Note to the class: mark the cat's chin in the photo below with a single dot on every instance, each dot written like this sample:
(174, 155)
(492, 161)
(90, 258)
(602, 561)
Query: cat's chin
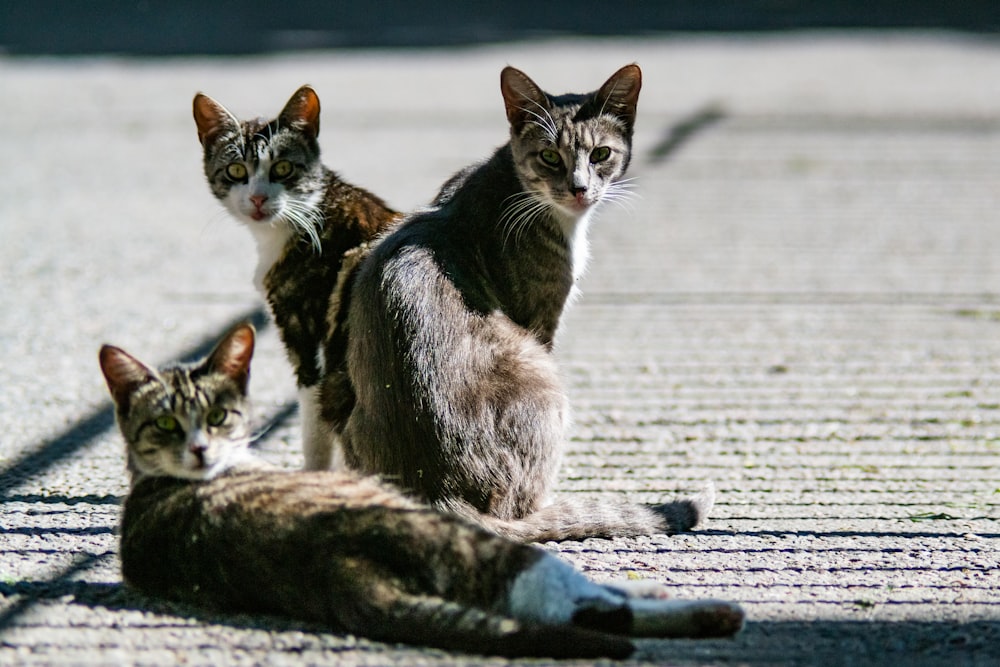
(573, 211)
(256, 218)
(200, 473)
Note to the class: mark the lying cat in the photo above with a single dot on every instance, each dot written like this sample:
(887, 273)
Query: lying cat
(207, 523)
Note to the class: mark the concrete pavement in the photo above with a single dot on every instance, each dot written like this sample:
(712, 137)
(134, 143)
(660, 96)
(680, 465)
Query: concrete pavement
(803, 305)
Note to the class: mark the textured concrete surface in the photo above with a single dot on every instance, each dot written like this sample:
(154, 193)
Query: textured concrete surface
(803, 305)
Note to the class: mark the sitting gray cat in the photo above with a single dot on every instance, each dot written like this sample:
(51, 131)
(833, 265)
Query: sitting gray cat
(453, 315)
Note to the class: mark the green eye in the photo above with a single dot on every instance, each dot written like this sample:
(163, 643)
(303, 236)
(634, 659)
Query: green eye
(600, 154)
(236, 171)
(167, 423)
(550, 157)
(281, 169)
(215, 417)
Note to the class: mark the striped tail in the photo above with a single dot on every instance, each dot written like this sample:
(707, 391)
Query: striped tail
(580, 518)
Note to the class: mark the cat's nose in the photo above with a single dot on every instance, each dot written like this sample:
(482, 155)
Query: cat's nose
(258, 200)
(198, 449)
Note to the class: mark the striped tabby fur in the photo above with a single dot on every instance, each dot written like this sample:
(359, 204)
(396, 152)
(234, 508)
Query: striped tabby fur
(458, 397)
(307, 223)
(212, 526)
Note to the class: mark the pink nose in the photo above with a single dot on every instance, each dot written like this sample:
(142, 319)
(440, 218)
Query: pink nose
(258, 200)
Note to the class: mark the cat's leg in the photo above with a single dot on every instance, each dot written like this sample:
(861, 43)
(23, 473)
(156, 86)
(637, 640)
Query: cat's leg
(320, 445)
(683, 618)
(553, 592)
(383, 611)
(550, 591)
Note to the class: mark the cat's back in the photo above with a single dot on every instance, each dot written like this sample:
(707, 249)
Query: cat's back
(443, 246)
(184, 527)
(352, 208)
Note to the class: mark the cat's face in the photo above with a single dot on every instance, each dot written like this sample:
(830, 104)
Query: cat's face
(571, 151)
(265, 172)
(184, 421)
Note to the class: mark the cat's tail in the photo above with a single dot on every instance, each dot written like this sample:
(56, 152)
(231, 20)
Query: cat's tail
(435, 622)
(580, 518)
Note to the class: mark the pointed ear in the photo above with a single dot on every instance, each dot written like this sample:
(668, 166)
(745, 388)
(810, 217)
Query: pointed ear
(123, 373)
(211, 118)
(523, 98)
(302, 111)
(232, 355)
(620, 94)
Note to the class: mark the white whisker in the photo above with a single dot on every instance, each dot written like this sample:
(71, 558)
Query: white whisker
(305, 219)
(520, 214)
(621, 194)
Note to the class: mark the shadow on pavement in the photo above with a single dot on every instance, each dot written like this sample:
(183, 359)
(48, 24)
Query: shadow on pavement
(855, 642)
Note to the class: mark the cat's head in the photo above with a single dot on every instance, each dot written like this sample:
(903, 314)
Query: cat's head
(190, 421)
(570, 151)
(265, 172)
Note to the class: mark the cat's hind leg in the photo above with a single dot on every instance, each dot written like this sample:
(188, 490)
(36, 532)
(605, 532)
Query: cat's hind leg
(434, 621)
(684, 618)
(552, 592)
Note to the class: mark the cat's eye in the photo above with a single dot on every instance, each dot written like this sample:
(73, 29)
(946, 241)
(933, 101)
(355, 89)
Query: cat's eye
(550, 157)
(215, 417)
(281, 169)
(236, 171)
(167, 423)
(600, 154)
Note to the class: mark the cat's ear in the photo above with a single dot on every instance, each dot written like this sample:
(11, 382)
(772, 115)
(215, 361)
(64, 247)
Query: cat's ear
(524, 100)
(232, 355)
(620, 94)
(123, 373)
(302, 111)
(211, 118)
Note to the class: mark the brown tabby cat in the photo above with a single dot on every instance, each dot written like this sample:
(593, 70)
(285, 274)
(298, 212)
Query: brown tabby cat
(458, 397)
(206, 523)
(307, 223)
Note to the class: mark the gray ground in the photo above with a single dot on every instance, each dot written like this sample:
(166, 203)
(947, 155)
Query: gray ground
(803, 306)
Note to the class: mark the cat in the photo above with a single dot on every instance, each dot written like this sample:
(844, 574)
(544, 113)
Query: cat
(458, 397)
(205, 523)
(309, 225)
